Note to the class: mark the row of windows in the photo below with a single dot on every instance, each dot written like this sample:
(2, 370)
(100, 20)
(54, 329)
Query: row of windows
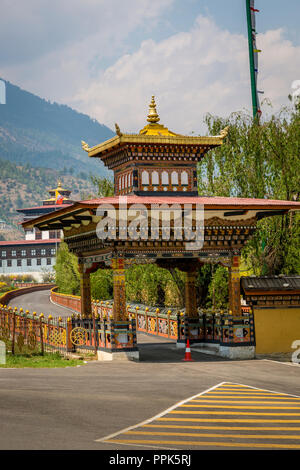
(32, 252)
(166, 177)
(38, 234)
(155, 178)
(28, 262)
(125, 181)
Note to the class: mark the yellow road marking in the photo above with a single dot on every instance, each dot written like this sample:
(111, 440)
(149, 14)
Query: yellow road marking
(246, 389)
(269, 397)
(233, 413)
(229, 420)
(224, 389)
(244, 406)
(242, 387)
(217, 391)
(241, 390)
(222, 432)
(243, 401)
(229, 384)
(194, 434)
(250, 391)
(199, 443)
(224, 428)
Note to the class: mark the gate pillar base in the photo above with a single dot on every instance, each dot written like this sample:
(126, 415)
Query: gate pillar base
(117, 341)
(189, 328)
(118, 356)
(237, 352)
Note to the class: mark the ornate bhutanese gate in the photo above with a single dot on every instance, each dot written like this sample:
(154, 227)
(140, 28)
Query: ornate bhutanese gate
(156, 170)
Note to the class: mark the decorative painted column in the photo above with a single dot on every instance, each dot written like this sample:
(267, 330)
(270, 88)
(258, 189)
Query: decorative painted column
(85, 291)
(229, 288)
(119, 307)
(234, 286)
(120, 334)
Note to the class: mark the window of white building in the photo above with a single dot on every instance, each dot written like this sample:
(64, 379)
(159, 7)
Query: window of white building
(145, 177)
(165, 178)
(184, 177)
(174, 177)
(155, 177)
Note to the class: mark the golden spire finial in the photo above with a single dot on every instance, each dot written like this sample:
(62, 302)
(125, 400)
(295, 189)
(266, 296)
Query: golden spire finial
(224, 132)
(118, 132)
(59, 184)
(153, 117)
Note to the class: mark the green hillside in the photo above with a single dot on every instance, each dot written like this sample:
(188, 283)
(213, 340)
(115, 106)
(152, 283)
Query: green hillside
(44, 134)
(25, 186)
(40, 142)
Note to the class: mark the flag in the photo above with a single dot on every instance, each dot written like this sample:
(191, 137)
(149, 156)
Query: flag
(59, 198)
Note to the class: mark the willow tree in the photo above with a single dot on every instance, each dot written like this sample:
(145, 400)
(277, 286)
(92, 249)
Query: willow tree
(259, 160)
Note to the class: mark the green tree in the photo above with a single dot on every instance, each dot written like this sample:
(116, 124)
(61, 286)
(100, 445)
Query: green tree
(203, 282)
(102, 284)
(105, 186)
(67, 276)
(151, 285)
(218, 288)
(259, 161)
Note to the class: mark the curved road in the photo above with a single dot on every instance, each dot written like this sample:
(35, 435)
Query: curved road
(39, 302)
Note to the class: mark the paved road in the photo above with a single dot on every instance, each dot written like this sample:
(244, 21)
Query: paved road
(75, 408)
(227, 416)
(72, 408)
(38, 302)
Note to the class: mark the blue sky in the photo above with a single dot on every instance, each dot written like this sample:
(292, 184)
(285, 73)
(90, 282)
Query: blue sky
(107, 57)
(230, 14)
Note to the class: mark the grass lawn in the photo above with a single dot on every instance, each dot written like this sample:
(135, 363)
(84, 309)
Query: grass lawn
(37, 360)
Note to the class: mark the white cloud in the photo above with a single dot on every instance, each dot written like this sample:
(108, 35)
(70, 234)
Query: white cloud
(203, 70)
(54, 47)
(279, 65)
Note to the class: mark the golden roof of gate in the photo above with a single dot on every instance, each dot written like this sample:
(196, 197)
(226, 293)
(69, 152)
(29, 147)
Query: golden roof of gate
(153, 133)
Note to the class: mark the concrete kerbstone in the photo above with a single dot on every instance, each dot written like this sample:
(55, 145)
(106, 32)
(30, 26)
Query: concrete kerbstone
(118, 356)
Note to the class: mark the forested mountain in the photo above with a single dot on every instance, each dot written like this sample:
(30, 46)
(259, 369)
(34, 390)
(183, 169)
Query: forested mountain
(44, 134)
(39, 143)
(26, 186)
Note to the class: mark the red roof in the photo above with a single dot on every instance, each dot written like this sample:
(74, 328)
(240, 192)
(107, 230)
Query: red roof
(46, 206)
(209, 203)
(29, 242)
(217, 202)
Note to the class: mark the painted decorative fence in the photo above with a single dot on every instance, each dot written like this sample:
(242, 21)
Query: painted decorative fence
(24, 331)
(210, 327)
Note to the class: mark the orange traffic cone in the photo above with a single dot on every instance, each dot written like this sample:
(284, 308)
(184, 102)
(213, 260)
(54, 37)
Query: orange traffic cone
(188, 356)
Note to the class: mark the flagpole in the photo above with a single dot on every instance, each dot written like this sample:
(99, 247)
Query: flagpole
(251, 60)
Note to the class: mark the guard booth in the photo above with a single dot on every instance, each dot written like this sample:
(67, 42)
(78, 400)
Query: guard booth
(275, 301)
